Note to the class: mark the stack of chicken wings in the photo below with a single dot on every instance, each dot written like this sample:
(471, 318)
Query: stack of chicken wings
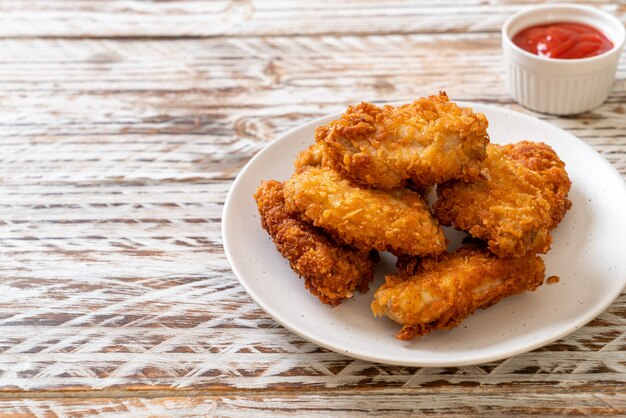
(361, 189)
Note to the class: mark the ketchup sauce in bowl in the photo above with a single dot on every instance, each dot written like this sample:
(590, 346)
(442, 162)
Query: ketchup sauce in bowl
(563, 40)
(561, 59)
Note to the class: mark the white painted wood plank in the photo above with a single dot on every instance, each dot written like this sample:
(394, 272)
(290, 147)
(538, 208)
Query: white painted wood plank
(203, 117)
(116, 157)
(337, 404)
(71, 18)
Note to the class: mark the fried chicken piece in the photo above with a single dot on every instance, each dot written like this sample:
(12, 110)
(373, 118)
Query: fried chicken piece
(313, 156)
(332, 272)
(520, 197)
(428, 141)
(394, 220)
(445, 290)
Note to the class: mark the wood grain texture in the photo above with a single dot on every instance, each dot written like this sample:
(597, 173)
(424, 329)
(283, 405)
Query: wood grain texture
(323, 404)
(240, 18)
(113, 407)
(217, 102)
(116, 156)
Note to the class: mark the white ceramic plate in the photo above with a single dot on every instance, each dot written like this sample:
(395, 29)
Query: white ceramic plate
(588, 254)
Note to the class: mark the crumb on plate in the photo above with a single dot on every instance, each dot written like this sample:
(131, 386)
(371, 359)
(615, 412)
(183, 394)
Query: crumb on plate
(553, 279)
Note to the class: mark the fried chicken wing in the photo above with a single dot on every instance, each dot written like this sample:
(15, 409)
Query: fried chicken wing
(439, 293)
(395, 220)
(428, 141)
(519, 198)
(332, 272)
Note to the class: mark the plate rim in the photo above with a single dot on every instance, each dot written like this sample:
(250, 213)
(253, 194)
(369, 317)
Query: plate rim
(359, 354)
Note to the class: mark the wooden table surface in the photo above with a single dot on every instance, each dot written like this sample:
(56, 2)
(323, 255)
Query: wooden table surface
(123, 125)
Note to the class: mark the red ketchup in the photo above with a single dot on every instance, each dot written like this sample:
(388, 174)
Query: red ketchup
(563, 40)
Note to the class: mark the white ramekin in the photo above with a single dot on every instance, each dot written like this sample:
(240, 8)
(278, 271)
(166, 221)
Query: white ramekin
(561, 86)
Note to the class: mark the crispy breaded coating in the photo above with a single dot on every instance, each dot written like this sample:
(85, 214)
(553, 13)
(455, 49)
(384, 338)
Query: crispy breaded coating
(428, 141)
(519, 198)
(447, 289)
(394, 220)
(313, 156)
(542, 159)
(332, 272)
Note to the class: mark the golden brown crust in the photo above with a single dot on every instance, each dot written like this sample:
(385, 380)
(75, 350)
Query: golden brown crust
(445, 290)
(542, 159)
(395, 220)
(331, 272)
(520, 197)
(428, 141)
(313, 156)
